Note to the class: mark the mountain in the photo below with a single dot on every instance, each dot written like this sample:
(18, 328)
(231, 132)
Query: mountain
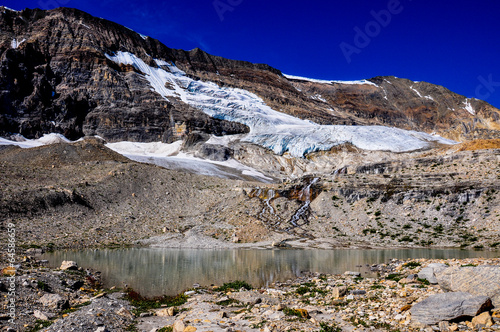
(246, 153)
(64, 71)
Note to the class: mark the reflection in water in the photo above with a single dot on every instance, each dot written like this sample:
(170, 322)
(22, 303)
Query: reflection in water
(169, 271)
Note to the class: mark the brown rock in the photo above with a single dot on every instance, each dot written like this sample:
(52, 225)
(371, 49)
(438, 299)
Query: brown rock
(482, 320)
(405, 308)
(338, 292)
(190, 329)
(9, 271)
(125, 313)
(303, 313)
(444, 326)
(167, 312)
(495, 313)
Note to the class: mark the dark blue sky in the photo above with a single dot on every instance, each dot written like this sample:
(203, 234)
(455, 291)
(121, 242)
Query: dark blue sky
(452, 43)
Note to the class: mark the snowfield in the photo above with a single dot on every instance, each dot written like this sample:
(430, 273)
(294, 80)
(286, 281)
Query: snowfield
(274, 130)
(292, 77)
(161, 154)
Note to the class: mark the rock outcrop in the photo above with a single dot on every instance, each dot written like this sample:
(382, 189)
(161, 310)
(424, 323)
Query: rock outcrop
(58, 79)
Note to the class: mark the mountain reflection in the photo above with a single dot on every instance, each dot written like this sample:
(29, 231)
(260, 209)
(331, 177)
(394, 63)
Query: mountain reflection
(169, 271)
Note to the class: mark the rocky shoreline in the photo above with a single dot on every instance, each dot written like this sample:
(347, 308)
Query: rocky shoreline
(407, 295)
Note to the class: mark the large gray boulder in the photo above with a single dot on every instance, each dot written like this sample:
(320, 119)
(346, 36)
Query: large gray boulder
(480, 280)
(449, 306)
(429, 272)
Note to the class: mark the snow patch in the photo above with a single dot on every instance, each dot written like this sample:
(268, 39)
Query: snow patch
(319, 97)
(271, 129)
(328, 81)
(154, 149)
(224, 140)
(15, 43)
(10, 9)
(170, 156)
(416, 91)
(25, 143)
(140, 34)
(468, 107)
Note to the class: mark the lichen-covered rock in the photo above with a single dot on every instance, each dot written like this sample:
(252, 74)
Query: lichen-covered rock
(54, 301)
(480, 280)
(429, 273)
(69, 265)
(449, 306)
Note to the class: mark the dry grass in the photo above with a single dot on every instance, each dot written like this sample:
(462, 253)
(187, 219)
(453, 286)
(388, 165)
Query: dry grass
(479, 144)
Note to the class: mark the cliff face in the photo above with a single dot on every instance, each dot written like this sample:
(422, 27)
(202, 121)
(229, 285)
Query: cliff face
(55, 77)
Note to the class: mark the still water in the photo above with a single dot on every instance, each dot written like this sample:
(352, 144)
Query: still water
(170, 271)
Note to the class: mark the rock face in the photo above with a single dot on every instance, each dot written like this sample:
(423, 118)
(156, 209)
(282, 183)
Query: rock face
(55, 77)
(480, 280)
(449, 306)
(70, 87)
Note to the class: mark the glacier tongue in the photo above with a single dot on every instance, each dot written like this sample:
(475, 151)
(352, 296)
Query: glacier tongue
(274, 130)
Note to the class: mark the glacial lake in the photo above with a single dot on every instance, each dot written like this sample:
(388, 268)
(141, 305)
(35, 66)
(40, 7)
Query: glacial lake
(169, 271)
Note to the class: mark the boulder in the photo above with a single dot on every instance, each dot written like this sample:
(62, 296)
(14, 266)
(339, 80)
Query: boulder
(338, 292)
(42, 315)
(480, 280)
(178, 326)
(8, 271)
(54, 301)
(69, 265)
(482, 320)
(449, 306)
(429, 272)
(167, 312)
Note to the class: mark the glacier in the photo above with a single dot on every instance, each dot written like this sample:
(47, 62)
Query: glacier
(271, 129)
(314, 80)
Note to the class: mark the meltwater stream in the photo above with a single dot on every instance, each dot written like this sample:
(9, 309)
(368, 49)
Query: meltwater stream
(169, 271)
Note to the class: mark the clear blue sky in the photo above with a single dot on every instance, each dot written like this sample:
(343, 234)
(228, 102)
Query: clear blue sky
(452, 43)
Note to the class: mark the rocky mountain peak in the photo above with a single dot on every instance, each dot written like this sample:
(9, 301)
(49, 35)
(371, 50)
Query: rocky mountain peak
(56, 75)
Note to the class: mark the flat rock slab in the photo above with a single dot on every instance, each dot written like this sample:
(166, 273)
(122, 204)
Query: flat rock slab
(480, 280)
(449, 306)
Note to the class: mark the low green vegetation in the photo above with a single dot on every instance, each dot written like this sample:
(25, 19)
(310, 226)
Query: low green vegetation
(324, 327)
(143, 304)
(412, 264)
(300, 313)
(40, 324)
(234, 285)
